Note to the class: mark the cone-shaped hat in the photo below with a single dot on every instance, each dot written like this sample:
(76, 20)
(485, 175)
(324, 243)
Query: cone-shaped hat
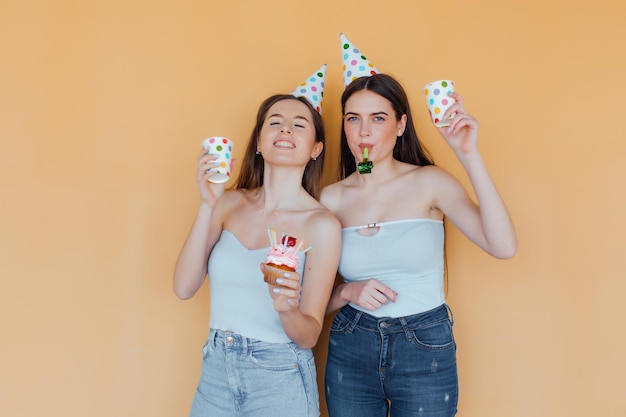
(313, 88)
(355, 64)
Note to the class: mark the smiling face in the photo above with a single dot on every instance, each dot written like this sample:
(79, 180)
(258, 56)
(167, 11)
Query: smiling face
(281, 107)
(288, 132)
(370, 122)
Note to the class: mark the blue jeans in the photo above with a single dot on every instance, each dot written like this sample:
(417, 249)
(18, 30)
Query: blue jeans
(248, 377)
(403, 366)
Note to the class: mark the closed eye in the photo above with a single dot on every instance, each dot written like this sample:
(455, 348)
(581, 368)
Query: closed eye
(274, 119)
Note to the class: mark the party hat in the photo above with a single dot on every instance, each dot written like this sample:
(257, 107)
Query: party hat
(355, 64)
(312, 88)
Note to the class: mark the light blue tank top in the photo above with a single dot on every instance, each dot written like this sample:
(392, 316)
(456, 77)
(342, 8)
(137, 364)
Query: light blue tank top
(240, 301)
(405, 255)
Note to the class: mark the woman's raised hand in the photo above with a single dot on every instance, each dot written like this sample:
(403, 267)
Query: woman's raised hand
(462, 133)
(209, 192)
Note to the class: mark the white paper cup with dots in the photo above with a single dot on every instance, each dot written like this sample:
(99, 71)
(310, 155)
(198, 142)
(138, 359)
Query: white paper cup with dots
(438, 97)
(222, 148)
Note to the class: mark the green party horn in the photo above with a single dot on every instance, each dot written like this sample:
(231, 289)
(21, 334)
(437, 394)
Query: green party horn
(366, 166)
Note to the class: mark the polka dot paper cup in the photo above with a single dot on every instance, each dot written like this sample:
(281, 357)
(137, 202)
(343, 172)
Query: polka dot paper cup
(438, 97)
(221, 147)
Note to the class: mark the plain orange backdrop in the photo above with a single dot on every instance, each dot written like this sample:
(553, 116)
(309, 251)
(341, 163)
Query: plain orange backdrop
(103, 105)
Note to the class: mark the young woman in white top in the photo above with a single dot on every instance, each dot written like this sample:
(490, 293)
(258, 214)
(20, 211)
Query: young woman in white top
(391, 348)
(258, 359)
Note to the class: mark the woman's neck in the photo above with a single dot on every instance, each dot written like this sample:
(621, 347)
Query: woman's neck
(281, 189)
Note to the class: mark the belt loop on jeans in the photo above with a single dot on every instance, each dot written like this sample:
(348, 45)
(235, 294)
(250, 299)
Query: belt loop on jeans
(355, 320)
(450, 315)
(405, 327)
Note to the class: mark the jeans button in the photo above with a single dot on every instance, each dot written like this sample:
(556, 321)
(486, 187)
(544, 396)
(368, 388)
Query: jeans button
(229, 339)
(383, 325)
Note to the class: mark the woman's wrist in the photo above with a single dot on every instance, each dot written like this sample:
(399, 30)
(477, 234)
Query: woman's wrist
(343, 296)
(206, 206)
(470, 159)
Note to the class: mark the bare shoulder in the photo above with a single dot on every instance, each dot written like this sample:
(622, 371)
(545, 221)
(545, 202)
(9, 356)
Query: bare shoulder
(331, 194)
(323, 233)
(232, 203)
(232, 198)
(432, 176)
(322, 223)
(446, 190)
(323, 217)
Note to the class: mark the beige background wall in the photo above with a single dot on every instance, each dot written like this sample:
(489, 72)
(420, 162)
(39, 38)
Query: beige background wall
(103, 105)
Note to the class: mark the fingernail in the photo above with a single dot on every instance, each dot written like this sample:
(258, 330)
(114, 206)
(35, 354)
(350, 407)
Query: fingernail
(280, 280)
(276, 291)
(286, 274)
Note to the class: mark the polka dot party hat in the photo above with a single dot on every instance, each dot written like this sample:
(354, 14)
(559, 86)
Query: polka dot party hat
(312, 88)
(355, 64)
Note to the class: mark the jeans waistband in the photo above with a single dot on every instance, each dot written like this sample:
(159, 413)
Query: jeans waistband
(233, 341)
(396, 324)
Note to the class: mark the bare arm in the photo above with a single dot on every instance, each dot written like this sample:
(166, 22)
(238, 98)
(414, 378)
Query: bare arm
(191, 266)
(303, 317)
(487, 223)
(370, 295)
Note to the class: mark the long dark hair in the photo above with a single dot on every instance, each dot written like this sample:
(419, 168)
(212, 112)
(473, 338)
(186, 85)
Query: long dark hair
(408, 147)
(253, 167)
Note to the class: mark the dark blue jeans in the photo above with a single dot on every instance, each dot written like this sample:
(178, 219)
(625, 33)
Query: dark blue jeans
(403, 366)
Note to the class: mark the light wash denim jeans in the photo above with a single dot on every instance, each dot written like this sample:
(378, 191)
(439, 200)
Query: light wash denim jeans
(248, 377)
(405, 366)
